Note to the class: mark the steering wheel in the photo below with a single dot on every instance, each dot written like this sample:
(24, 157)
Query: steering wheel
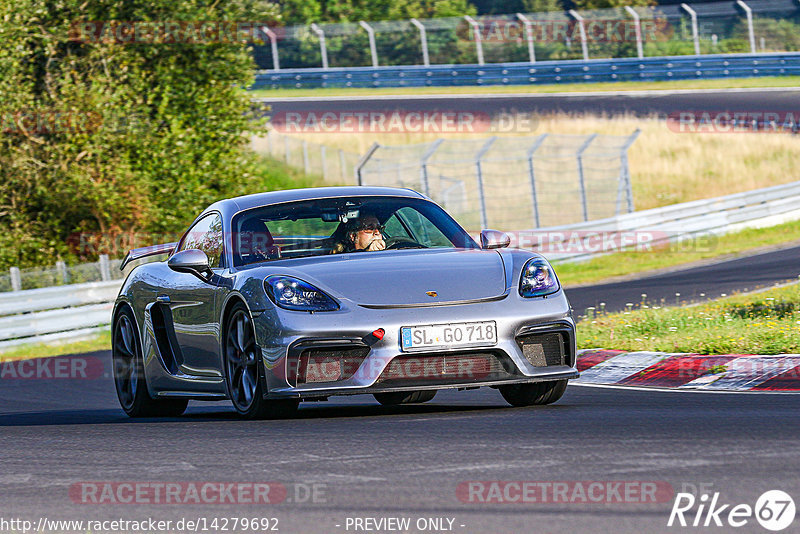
(399, 242)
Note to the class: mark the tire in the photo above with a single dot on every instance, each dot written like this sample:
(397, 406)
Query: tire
(404, 397)
(242, 370)
(129, 377)
(538, 393)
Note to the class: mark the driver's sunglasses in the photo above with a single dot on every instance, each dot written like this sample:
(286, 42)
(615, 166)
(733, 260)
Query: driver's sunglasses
(371, 227)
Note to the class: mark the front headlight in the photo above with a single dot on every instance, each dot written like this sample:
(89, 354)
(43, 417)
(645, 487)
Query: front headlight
(295, 294)
(538, 279)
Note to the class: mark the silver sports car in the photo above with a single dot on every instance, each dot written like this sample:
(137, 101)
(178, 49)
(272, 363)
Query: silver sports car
(274, 298)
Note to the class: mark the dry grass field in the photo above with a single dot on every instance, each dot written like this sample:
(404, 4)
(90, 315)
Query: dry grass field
(667, 167)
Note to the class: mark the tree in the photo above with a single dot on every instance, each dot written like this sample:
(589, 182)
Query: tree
(540, 6)
(602, 4)
(109, 137)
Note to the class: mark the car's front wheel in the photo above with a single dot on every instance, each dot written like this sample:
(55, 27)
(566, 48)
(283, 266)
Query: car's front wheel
(129, 376)
(242, 378)
(533, 394)
(404, 397)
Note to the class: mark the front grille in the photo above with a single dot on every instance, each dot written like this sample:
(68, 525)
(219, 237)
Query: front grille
(543, 350)
(328, 364)
(463, 367)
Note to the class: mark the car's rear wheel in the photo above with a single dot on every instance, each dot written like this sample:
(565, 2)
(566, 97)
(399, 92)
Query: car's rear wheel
(242, 366)
(404, 397)
(129, 377)
(537, 393)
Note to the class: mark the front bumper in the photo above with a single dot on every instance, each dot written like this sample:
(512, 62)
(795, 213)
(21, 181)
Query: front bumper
(282, 335)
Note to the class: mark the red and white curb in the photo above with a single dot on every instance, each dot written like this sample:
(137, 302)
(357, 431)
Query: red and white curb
(730, 372)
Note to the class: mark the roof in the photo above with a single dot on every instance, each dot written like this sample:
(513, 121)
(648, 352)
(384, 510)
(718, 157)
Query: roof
(233, 205)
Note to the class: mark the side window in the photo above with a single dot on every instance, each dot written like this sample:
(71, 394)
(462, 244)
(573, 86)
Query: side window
(206, 235)
(394, 228)
(425, 232)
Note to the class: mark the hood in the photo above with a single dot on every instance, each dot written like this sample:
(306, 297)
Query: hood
(402, 277)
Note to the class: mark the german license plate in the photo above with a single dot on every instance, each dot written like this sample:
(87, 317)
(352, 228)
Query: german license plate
(448, 336)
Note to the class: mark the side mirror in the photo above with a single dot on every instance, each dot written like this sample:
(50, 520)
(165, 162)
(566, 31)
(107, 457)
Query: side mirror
(494, 239)
(192, 261)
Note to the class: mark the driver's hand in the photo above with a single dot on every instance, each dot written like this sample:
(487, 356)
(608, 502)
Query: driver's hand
(376, 244)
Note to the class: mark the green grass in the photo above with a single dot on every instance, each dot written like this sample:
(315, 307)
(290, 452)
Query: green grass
(623, 264)
(723, 83)
(763, 323)
(100, 341)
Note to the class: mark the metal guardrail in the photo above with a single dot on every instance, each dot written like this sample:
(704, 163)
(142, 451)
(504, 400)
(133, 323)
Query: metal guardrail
(762, 207)
(35, 315)
(61, 312)
(543, 72)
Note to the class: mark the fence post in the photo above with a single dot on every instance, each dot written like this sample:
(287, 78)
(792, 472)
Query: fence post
(306, 164)
(582, 29)
(625, 174)
(363, 161)
(528, 35)
(531, 175)
(342, 169)
(424, 166)
(323, 50)
(286, 148)
(273, 42)
(423, 39)
(637, 27)
(581, 178)
(16, 279)
(485, 148)
(105, 268)
(61, 269)
(269, 142)
(476, 31)
(373, 50)
(750, 32)
(695, 37)
(322, 151)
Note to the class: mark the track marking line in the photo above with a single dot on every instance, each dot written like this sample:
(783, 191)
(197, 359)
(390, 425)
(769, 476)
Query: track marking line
(670, 390)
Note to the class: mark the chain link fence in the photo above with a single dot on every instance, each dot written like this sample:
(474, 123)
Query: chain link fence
(512, 182)
(685, 29)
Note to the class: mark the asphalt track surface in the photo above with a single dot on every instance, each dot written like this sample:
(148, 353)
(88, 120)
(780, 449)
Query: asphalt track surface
(695, 284)
(372, 461)
(640, 103)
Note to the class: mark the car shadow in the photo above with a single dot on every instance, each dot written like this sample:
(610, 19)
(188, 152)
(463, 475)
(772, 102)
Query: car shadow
(224, 413)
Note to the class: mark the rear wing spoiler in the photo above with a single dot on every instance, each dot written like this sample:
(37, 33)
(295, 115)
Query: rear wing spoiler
(138, 253)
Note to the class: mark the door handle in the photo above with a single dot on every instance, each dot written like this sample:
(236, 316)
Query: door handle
(163, 298)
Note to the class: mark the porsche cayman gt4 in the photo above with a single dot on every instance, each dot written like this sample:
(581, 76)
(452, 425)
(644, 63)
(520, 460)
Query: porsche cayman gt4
(272, 299)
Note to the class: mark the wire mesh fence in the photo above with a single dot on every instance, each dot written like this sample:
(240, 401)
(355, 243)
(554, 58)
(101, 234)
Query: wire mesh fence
(333, 165)
(105, 269)
(685, 29)
(512, 182)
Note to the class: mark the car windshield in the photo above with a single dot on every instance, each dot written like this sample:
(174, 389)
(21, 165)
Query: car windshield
(340, 225)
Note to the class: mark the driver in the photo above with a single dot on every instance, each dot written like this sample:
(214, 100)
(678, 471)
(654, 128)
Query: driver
(361, 235)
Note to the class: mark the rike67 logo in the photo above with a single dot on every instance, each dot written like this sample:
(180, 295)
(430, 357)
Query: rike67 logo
(774, 510)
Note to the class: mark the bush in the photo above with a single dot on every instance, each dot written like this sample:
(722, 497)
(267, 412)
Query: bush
(107, 137)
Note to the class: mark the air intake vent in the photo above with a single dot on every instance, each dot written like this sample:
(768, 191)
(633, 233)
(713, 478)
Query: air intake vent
(329, 364)
(543, 350)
